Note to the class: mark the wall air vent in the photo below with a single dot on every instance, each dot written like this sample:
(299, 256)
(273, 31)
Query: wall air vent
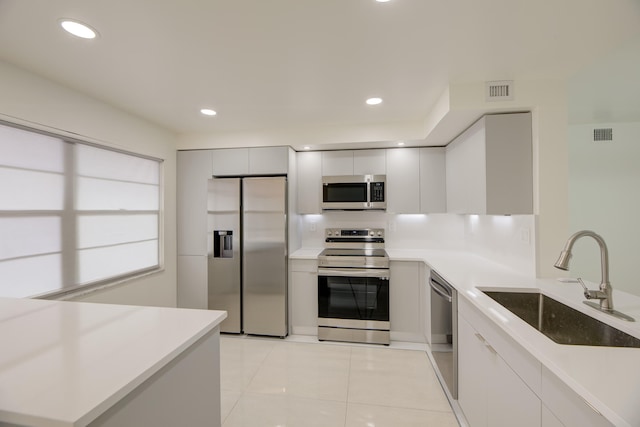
(602, 134)
(499, 91)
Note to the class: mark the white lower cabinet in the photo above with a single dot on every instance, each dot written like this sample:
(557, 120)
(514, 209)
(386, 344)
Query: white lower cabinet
(501, 384)
(568, 409)
(160, 400)
(303, 296)
(549, 419)
(425, 303)
(404, 301)
(490, 393)
(510, 401)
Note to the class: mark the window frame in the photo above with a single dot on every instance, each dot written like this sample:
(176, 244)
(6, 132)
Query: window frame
(69, 217)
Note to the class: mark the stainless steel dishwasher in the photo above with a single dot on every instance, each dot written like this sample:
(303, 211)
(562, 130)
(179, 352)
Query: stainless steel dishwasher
(444, 331)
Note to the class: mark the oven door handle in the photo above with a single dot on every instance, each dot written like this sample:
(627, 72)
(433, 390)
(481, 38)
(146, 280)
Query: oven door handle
(441, 290)
(382, 273)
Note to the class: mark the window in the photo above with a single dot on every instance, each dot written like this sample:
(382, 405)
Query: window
(73, 214)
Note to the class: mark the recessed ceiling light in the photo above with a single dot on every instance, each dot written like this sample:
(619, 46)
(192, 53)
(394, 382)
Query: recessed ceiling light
(208, 112)
(382, 1)
(400, 144)
(374, 101)
(306, 148)
(78, 29)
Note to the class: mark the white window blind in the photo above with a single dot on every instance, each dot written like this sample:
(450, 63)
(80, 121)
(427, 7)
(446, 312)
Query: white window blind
(72, 214)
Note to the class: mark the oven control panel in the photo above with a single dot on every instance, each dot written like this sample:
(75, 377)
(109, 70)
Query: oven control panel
(341, 233)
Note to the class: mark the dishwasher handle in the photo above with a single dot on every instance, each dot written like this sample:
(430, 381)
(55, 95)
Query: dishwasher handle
(441, 289)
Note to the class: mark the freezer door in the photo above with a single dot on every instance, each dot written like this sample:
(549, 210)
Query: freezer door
(223, 251)
(265, 258)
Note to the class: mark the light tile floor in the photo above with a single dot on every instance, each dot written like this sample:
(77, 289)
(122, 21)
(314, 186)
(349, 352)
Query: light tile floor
(278, 383)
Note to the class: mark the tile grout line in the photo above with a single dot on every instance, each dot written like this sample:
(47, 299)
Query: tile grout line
(346, 406)
(243, 388)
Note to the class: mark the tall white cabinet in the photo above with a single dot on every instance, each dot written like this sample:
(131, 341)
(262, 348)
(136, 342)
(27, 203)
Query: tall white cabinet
(194, 169)
(489, 167)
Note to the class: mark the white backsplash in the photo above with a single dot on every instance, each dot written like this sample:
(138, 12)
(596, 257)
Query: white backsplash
(508, 240)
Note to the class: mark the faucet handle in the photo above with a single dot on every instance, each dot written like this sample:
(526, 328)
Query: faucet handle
(587, 294)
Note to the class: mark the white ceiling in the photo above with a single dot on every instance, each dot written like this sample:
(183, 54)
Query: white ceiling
(277, 64)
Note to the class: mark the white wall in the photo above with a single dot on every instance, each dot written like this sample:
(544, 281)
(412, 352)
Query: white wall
(604, 178)
(33, 101)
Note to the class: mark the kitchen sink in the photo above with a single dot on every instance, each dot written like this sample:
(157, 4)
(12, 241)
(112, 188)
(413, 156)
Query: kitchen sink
(559, 322)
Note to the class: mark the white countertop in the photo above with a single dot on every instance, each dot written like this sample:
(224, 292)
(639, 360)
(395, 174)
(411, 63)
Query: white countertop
(306, 253)
(65, 363)
(606, 377)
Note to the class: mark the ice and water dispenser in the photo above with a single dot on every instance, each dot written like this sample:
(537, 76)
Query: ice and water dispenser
(222, 243)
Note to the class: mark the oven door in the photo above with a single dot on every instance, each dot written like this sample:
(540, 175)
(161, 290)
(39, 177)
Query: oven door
(353, 298)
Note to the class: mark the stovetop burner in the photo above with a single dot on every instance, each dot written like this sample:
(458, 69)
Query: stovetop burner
(343, 251)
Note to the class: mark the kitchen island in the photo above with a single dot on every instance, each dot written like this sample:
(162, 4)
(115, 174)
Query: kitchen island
(77, 364)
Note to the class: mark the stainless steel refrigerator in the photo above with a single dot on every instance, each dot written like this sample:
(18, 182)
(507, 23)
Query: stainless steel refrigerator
(247, 259)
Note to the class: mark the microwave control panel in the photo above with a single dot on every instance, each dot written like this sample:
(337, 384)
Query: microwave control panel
(377, 192)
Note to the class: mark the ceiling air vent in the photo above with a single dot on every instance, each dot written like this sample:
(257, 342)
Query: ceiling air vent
(602, 134)
(499, 91)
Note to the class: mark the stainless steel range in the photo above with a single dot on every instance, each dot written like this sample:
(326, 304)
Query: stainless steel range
(353, 287)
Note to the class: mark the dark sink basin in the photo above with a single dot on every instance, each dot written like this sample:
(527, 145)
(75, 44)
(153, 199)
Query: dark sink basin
(560, 322)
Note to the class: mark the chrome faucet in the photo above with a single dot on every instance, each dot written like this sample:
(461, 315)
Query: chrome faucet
(605, 294)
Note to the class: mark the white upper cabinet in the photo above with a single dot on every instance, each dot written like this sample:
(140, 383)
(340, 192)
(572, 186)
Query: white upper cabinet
(231, 161)
(369, 162)
(403, 180)
(250, 161)
(415, 176)
(433, 189)
(309, 167)
(337, 163)
(354, 162)
(268, 160)
(489, 167)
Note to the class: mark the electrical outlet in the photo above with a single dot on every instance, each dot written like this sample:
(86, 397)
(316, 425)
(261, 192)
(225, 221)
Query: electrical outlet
(525, 235)
(312, 226)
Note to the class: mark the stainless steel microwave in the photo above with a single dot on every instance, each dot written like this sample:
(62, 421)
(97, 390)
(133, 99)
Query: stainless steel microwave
(354, 192)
